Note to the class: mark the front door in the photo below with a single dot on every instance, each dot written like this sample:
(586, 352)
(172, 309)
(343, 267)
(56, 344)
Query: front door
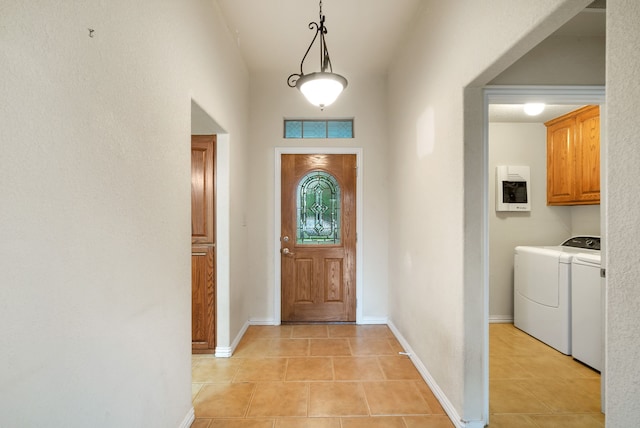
(318, 242)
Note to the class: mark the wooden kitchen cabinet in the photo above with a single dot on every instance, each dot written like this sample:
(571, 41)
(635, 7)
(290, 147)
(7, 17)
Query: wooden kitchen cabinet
(573, 158)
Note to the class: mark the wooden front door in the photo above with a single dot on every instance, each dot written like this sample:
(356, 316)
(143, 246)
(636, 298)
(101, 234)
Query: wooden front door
(318, 242)
(203, 301)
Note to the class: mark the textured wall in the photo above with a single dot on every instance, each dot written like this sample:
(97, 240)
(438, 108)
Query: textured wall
(437, 168)
(622, 221)
(364, 100)
(95, 315)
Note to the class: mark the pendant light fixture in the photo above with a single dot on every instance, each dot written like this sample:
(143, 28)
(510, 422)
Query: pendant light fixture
(323, 87)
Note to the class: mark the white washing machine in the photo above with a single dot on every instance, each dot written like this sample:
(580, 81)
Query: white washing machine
(586, 310)
(542, 289)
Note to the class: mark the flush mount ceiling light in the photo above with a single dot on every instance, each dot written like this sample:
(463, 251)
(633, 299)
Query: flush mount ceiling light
(533, 109)
(323, 87)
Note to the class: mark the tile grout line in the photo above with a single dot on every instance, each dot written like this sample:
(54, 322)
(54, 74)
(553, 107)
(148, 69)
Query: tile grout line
(366, 400)
(253, 394)
(308, 398)
(286, 369)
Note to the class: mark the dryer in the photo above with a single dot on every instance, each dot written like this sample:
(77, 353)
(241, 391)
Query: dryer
(586, 310)
(542, 289)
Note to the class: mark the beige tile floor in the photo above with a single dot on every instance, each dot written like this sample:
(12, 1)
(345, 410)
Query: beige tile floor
(347, 376)
(314, 376)
(531, 385)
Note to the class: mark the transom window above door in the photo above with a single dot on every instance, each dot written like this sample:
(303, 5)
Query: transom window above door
(314, 128)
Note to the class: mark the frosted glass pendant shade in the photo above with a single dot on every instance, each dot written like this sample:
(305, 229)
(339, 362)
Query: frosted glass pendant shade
(321, 89)
(533, 109)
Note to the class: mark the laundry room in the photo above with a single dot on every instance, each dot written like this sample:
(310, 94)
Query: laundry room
(545, 291)
(518, 140)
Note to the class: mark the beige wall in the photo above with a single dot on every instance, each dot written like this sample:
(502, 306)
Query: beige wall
(437, 171)
(95, 239)
(364, 100)
(95, 220)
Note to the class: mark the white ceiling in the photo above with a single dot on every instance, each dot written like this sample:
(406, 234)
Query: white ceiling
(515, 113)
(362, 36)
(273, 35)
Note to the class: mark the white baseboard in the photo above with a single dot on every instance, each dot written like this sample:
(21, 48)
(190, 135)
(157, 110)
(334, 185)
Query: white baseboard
(262, 321)
(500, 319)
(188, 420)
(227, 351)
(223, 352)
(365, 320)
(433, 385)
(374, 320)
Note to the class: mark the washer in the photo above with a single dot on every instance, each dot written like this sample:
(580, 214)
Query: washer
(586, 310)
(542, 289)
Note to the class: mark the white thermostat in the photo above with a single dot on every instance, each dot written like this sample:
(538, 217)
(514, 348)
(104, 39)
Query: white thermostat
(513, 188)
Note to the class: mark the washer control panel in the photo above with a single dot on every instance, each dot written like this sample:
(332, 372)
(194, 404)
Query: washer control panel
(589, 242)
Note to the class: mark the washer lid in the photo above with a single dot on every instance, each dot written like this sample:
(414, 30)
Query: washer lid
(557, 254)
(590, 259)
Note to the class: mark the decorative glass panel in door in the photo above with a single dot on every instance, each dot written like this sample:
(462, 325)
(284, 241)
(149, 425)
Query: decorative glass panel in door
(318, 209)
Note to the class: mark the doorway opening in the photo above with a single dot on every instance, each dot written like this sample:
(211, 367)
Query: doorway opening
(203, 124)
(564, 97)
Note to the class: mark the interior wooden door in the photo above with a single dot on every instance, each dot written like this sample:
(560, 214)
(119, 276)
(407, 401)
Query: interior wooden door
(318, 242)
(203, 319)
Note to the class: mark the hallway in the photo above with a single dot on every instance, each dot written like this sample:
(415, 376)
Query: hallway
(317, 376)
(350, 376)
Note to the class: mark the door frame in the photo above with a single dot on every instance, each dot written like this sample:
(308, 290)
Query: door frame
(520, 94)
(278, 151)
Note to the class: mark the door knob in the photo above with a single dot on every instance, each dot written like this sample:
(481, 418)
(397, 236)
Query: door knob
(287, 252)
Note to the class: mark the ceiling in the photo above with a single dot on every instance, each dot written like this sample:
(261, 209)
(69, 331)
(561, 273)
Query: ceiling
(362, 35)
(273, 35)
(515, 113)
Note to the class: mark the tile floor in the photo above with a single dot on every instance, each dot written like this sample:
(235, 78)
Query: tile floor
(348, 376)
(314, 376)
(531, 385)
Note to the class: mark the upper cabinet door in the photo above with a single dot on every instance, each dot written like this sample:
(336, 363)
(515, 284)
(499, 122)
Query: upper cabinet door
(202, 189)
(588, 161)
(560, 161)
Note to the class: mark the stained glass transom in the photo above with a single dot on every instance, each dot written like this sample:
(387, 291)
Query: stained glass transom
(334, 128)
(318, 209)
